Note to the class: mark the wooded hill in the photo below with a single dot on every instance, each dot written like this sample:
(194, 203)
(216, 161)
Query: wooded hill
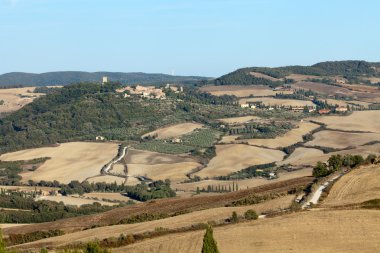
(70, 77)
(347, 69)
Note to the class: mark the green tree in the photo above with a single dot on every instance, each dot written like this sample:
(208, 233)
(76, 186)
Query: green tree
(320, 170)
(209, 243)
(251, 215)
(335, 161)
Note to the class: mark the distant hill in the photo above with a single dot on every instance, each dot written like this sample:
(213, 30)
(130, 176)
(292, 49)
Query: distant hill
(70, 77)
(348, 69)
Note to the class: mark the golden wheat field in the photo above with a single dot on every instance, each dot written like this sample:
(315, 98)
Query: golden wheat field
(242, 91)
(234, 157)
(239, 120)
(16, 98)
(69, 161)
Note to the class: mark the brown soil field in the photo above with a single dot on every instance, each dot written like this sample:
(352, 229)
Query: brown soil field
(341, 140)
(239, 120)
(371, 79)
(13, 99)
(290, 138)
(106, 179)
(234, 157)
(347, 102)
(242, 91)
(174, 130)
(168, 206)
(361, 87)
(364, 121)
(355, 187)
(181, 221)
(243, 184)
(270, 101)
(69, 161)
(8, 225)
(159, 166)
(74, 201)
(261, 75)
(315, 231)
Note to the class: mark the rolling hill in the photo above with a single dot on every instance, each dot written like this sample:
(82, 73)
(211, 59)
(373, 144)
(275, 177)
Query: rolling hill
(70, 77)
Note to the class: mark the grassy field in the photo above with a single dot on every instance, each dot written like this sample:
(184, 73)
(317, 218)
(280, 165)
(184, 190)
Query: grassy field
(174, 130)
(234, 157)
(241, 91)
(365, 121)
(270, 101)
(317, 231)
(74, 201)
(341, 140)
(16, 98)
(69, 161)
(355, 187)
(290, 138)
(107, 195)
(185, 220)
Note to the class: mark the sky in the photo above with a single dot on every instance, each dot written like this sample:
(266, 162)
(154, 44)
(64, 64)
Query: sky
(183, 37)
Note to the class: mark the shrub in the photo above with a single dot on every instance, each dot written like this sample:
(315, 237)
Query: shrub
(234, 218)
(251, 215)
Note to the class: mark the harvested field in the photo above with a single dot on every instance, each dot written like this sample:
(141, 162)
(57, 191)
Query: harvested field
(167, 206)
(118, 169)
(363, 121)
(239, 120)
(107, 195)
(242, 91)
(16, 98)
(190, 242)
(174, 130)
(229, 138)
(9, 225)
(106, 179)
(344, 103)
(180, 221)
(45, 190)
(69, 161)
(261, 75)
(310, 156)
(341, 140)
(159, 166)
(290, 138)
(270, 101)
(316, 231)
(234, 157)
(74, 201)
(243, 184)
(355, 187)
(298, 77)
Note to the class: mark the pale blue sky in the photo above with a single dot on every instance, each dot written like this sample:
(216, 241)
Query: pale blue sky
(193, 37)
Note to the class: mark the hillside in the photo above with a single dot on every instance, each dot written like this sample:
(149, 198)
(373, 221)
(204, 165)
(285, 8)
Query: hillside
(70, 77)
(273, 77)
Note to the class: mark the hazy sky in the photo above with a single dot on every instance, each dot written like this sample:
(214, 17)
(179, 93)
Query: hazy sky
(192, 37)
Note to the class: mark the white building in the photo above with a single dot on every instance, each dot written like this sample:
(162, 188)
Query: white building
(104, 79)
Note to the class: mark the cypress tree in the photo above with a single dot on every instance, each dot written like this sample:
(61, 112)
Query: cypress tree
(209, 243)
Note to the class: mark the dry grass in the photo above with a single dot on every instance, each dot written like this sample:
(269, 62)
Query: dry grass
(118, 169)
(298, 77)
(107, 195)
(174, 130)
(13, 99)
(243, 184)
(242, 91)
(290, 138)
(45, 190)
(270, 101)
(239, 120)
(355, 187)
(74, 201)
(261, 75)
(365, 121)
(316, 231)
(234, 157)
(69, 161)
(185, 220)
(8, 225)
(341, 140)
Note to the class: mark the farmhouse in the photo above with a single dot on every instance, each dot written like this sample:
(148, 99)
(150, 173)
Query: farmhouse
(341, 109)
(245, 105)
(324, 111)
(143, 91)
(100, 138)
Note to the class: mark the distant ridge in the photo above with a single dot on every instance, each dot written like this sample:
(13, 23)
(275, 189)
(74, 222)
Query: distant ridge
(70, 77)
